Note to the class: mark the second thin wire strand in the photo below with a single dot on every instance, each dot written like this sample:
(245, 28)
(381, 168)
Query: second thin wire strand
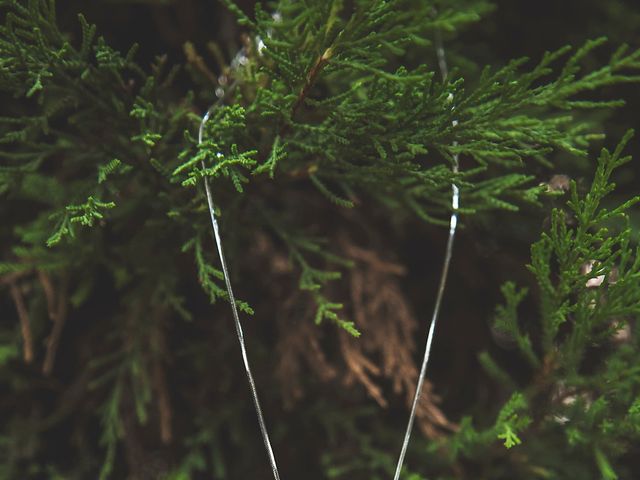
(453, 223)
(232, 301)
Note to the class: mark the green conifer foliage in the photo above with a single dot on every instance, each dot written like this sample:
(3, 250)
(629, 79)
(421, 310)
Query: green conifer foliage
(331, 147)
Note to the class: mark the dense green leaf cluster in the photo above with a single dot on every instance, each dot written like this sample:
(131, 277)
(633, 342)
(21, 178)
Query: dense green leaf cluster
(583, 391)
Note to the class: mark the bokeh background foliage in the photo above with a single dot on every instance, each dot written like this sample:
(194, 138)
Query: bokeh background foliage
(331, 166)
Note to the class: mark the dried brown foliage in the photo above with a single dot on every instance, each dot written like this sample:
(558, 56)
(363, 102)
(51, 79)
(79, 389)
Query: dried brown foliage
(385, 353)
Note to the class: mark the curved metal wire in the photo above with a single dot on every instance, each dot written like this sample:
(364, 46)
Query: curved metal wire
(232, 301)
(436, 311)
(453, 223)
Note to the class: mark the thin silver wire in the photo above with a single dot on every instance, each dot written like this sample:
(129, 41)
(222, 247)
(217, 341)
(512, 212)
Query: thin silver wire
(453, 223)
(232, 300)
(442, 62)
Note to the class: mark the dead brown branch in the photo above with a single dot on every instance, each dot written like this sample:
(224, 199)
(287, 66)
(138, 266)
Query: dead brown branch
(380, 308)
(318, 66)
(25, 324)
(57, 306)
(13, 277)
(160, 386)
(386, 350)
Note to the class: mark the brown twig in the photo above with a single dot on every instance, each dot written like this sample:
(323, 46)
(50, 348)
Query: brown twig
(361, 369)
(49, 293)
(12, 277)
(164, 403)
(160, 385)
(25, 324)
(321, 62)
(194, 59)
(57, 308)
